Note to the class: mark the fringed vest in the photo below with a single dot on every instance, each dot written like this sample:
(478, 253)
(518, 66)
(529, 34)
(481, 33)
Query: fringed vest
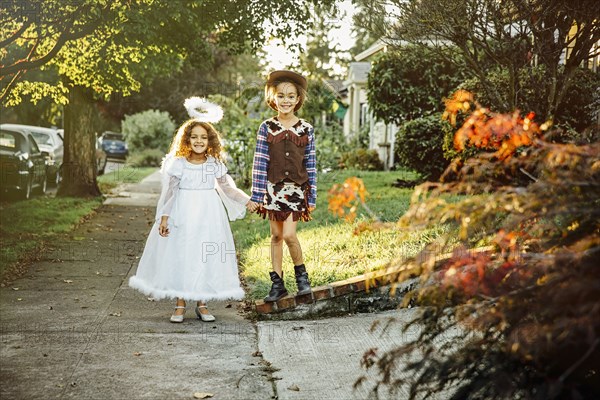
(286, 151)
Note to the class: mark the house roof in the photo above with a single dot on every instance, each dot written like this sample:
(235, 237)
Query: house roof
(375, 48)
(335, 85)
(358, 72)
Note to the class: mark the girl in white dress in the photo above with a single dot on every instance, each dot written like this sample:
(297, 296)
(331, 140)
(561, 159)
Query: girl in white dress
(190, 253)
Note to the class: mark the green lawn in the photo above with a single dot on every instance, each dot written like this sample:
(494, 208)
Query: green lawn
(26, 227)
(123, 174)
(331, 250)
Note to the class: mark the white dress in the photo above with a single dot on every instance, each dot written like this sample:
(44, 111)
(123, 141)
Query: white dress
(197, 261)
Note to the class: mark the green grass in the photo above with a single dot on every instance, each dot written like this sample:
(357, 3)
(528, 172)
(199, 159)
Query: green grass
(124, 174)
(331, 250)
(27, 226)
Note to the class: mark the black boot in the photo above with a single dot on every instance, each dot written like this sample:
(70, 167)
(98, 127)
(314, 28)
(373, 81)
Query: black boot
(277, 289)
(302, 280)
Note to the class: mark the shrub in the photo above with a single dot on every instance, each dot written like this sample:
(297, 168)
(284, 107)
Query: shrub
(146, 158)
(362, 159)
(581, 104)
(330, 146)
(519, 317)
(412, 83)
(577, 110)
(419, 146)
(238, 132)
(150, 129)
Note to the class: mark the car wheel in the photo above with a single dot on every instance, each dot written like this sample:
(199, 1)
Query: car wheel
(101, 165)
(25, 194)
(44, 186)
(54, 180)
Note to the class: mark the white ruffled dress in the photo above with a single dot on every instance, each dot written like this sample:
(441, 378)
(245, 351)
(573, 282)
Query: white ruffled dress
(197, 261)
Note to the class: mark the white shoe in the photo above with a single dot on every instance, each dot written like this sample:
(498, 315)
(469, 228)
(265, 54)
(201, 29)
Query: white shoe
(178, 318)
(204, 317)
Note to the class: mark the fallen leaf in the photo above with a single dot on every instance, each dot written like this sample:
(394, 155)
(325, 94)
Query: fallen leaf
(137, 353)
(19, 299)
(115, 314)
(15, 288)
(67, 281)
(202, 395)
(151, 299)
(294, 387)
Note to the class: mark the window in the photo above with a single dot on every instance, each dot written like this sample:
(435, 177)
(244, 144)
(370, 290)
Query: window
(33, 147)
(8, 140)
(43, 138)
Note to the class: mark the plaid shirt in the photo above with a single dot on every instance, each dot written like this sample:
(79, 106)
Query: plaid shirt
(261, 165)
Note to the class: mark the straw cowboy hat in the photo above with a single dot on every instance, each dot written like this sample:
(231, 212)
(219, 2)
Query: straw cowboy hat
(275, 77)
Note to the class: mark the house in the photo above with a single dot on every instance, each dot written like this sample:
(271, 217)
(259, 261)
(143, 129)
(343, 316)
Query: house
(359, 118)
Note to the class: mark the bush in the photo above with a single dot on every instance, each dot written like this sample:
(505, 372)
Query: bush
(238, 132)
(362, 159)
(150, 129)
(146, 158)
(577, 110)
(330, 146)
(412, 83)
(515, 318)
(419, 146)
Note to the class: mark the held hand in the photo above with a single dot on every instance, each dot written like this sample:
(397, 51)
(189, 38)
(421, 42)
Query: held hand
(252, 206)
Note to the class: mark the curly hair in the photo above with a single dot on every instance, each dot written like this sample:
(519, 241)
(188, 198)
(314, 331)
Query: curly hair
(271, 93)
(181, 142)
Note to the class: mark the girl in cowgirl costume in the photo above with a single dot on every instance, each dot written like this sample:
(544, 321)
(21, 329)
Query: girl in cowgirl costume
(284, 178)
(190, 253)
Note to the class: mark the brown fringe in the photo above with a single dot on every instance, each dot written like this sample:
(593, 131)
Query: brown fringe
(275, 215)
(292, 137)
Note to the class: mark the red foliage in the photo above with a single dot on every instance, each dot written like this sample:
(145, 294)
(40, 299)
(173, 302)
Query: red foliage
(344, 199)
(488, 130)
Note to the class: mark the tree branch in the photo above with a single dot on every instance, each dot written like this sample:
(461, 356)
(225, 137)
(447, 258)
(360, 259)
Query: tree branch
(10, 85)
(66, 36)
(15, 35)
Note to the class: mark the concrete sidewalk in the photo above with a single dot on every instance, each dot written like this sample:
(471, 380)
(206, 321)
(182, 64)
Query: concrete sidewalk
(72, 328)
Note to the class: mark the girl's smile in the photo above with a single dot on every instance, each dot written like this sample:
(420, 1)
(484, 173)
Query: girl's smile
(199, 139)
(286, 98)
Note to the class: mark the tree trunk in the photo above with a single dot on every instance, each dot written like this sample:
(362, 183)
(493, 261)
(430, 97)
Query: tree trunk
(79, 164)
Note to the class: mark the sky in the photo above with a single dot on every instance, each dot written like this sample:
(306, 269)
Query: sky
(278, 57)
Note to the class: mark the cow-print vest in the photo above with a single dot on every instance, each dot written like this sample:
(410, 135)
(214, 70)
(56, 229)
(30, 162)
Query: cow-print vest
(286, 151)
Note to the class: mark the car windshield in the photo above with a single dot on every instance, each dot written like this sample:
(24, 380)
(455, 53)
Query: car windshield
(8, 140)
(112, 136)
(42, 138)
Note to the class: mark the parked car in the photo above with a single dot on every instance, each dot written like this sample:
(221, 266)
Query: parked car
(101, 158)
(49, 140)
(113, 143)
(23, 166)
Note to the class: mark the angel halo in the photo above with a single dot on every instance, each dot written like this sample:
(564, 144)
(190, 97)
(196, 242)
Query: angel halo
(203, 110)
